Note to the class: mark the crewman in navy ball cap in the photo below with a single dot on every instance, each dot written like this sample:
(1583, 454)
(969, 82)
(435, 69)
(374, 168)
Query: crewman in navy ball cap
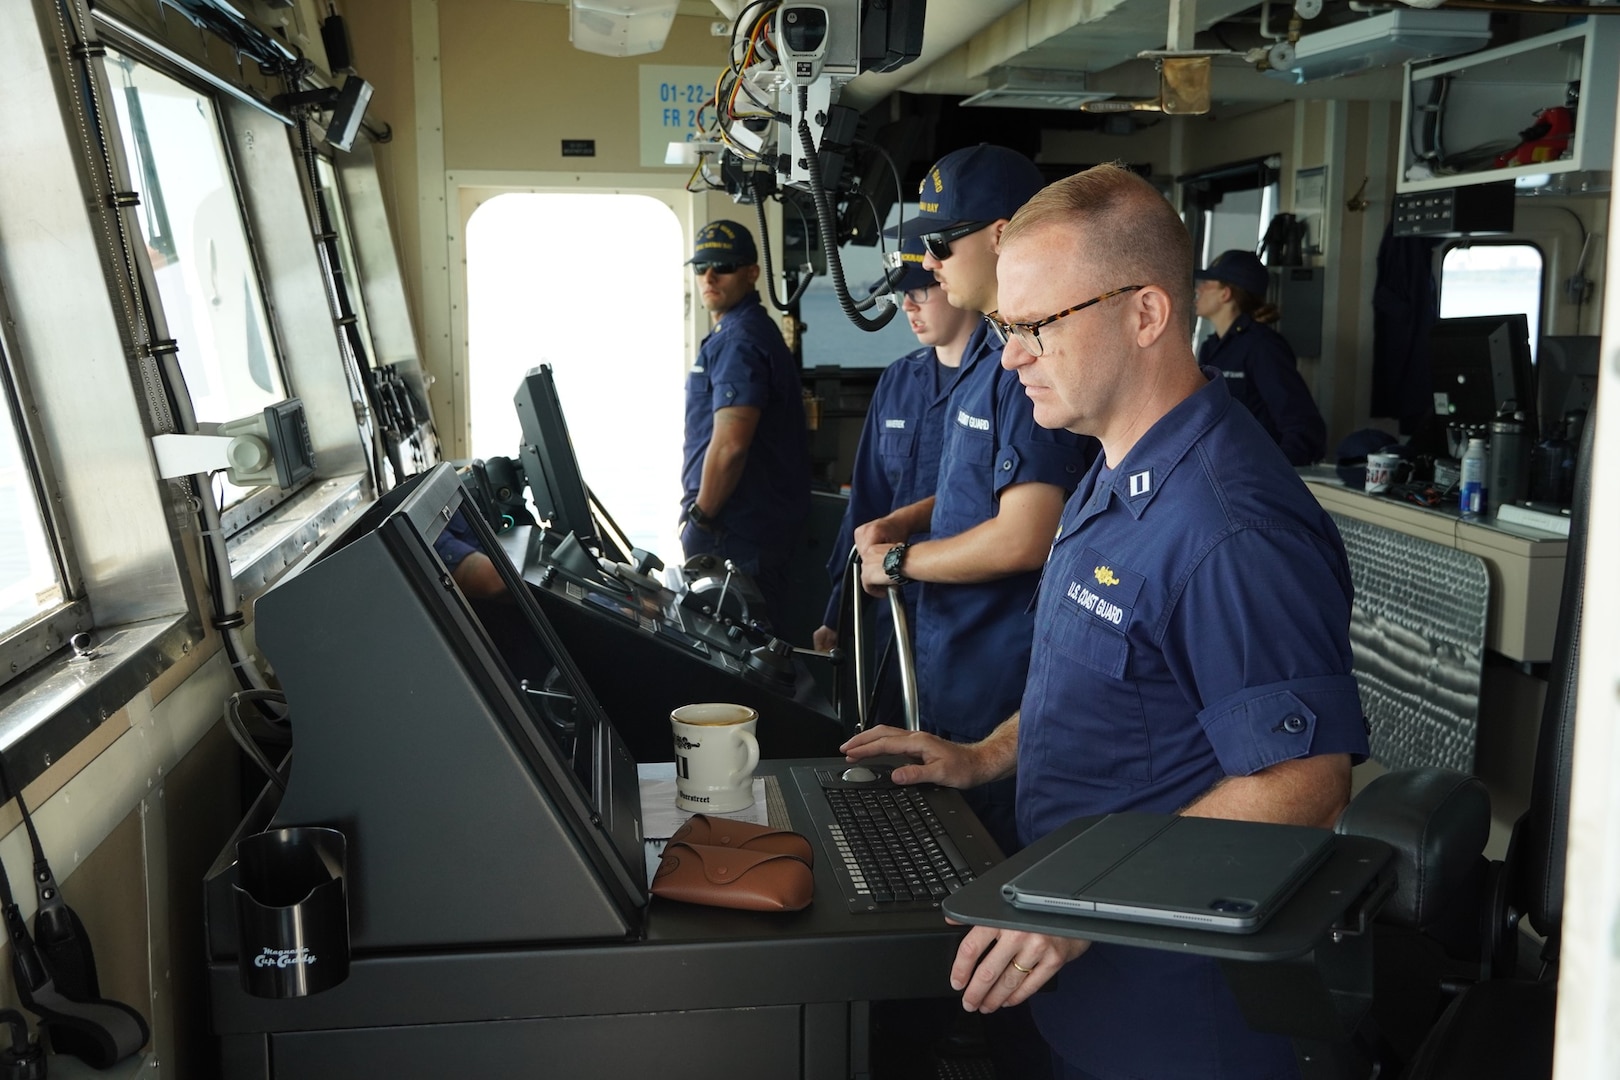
(1002, 483)
(745, 472)
(897, 459)
(962, 205)
(1002, 480)
(1260, 368)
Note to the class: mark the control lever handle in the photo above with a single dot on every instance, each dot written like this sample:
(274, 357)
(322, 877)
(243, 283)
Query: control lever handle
(527, 689)
(773, 660)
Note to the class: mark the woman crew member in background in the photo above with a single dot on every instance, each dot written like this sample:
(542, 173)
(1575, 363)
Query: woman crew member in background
(1258, 363)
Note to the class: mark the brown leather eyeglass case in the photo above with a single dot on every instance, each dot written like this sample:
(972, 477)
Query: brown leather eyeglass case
(743, 836)
(732, 878)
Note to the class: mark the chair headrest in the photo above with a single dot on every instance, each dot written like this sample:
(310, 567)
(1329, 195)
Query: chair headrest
(1437, 820)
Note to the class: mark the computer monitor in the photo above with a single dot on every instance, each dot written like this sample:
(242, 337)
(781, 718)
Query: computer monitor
(1566, 377)
(1480, 368)
(555, 482)
(454, 741)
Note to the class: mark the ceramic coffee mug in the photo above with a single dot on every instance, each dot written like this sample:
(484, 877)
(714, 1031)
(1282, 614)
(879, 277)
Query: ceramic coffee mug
(715, 755)
(1381, 471)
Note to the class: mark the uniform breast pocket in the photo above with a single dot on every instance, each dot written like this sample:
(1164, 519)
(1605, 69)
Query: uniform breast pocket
(966, 490)
(1092, 711)
(895, 452)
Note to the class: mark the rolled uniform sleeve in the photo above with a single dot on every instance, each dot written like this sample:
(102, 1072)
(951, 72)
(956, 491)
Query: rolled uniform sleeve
(1258, 636)
(739, 374)
(455, 542)
(1027, 452)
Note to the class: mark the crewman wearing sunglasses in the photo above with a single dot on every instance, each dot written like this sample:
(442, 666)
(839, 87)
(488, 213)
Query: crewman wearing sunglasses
(745, 469)
(1002, 482)
(897, 458)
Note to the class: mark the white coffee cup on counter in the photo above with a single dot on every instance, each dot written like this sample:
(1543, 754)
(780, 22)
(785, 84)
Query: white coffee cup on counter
(1381, 471)
(715, 756)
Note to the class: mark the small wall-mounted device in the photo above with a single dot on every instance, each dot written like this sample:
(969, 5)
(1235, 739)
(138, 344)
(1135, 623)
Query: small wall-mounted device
(272, 446)
(801, 39)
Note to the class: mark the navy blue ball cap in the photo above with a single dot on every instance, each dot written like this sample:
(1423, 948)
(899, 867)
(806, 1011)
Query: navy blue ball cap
(976, 183)
(724, 242)
(1241, 268)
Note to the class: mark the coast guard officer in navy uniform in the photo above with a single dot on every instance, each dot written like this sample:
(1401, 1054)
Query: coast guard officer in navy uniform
(897, 459)
(1002, 482)
(1259, 365)
(746, 467)
(1192, 646)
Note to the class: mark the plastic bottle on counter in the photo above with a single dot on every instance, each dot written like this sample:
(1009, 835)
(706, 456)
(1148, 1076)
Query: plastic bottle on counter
(1472, 494)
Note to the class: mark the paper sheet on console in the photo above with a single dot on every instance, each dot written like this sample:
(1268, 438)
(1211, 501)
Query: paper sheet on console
(660, 817)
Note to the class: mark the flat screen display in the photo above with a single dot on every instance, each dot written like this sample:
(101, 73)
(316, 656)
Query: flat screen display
(1480, 369)
(555, 482)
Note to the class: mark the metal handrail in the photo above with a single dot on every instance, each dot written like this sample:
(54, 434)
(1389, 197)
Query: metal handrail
(854, 594)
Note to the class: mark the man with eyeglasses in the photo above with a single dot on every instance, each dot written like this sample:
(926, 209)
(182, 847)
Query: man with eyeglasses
(746, 462)
(1002, 482)
(1192, 648)
(897, 459)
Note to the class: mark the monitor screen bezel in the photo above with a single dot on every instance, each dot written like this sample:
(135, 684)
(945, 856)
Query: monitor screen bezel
(1477, 332)
(549, 460)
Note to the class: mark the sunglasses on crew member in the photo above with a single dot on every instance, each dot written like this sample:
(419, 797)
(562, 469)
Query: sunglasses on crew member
(720, 268)
(938, 244)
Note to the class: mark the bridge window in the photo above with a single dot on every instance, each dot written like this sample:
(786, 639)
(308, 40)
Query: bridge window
(191, 219)
(1493, 278)
(30, 585)
(829, 336)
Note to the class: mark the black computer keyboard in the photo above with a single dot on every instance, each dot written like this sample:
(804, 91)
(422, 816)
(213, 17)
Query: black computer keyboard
(892, 847)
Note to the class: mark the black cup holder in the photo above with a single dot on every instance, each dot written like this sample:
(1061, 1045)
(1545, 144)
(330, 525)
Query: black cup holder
(292, 916)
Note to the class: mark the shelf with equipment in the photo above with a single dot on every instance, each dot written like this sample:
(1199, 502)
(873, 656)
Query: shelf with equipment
(1482, 108)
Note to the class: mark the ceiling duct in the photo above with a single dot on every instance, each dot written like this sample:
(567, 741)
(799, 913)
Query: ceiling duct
(1393, 37)
(1035, 88)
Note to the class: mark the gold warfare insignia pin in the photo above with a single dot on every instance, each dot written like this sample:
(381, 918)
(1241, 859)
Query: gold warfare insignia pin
(1105, 576)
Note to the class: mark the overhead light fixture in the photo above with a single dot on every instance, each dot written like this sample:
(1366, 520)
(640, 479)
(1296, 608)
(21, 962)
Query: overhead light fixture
(1035, 88)
(1392, 37)
(620, 27)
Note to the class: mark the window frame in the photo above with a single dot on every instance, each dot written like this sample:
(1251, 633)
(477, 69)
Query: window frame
(1202, 191)
(255, 502)
(29, 643)
(1457, 243)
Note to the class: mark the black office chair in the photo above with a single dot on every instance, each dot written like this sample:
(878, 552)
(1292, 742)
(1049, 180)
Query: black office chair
(1462, 915)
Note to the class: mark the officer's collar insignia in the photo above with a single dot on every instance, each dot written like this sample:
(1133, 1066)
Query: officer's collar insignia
(1105, 576)
(1140, 482)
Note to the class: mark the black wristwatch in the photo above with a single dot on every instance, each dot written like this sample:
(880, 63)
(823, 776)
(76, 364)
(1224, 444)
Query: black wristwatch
(892, 561)
(697, 517)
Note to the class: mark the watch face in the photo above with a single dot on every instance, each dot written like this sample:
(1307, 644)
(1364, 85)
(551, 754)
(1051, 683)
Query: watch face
(892, 560)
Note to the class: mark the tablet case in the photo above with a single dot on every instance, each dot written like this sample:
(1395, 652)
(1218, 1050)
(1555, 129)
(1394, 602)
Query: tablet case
(1209, 873)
